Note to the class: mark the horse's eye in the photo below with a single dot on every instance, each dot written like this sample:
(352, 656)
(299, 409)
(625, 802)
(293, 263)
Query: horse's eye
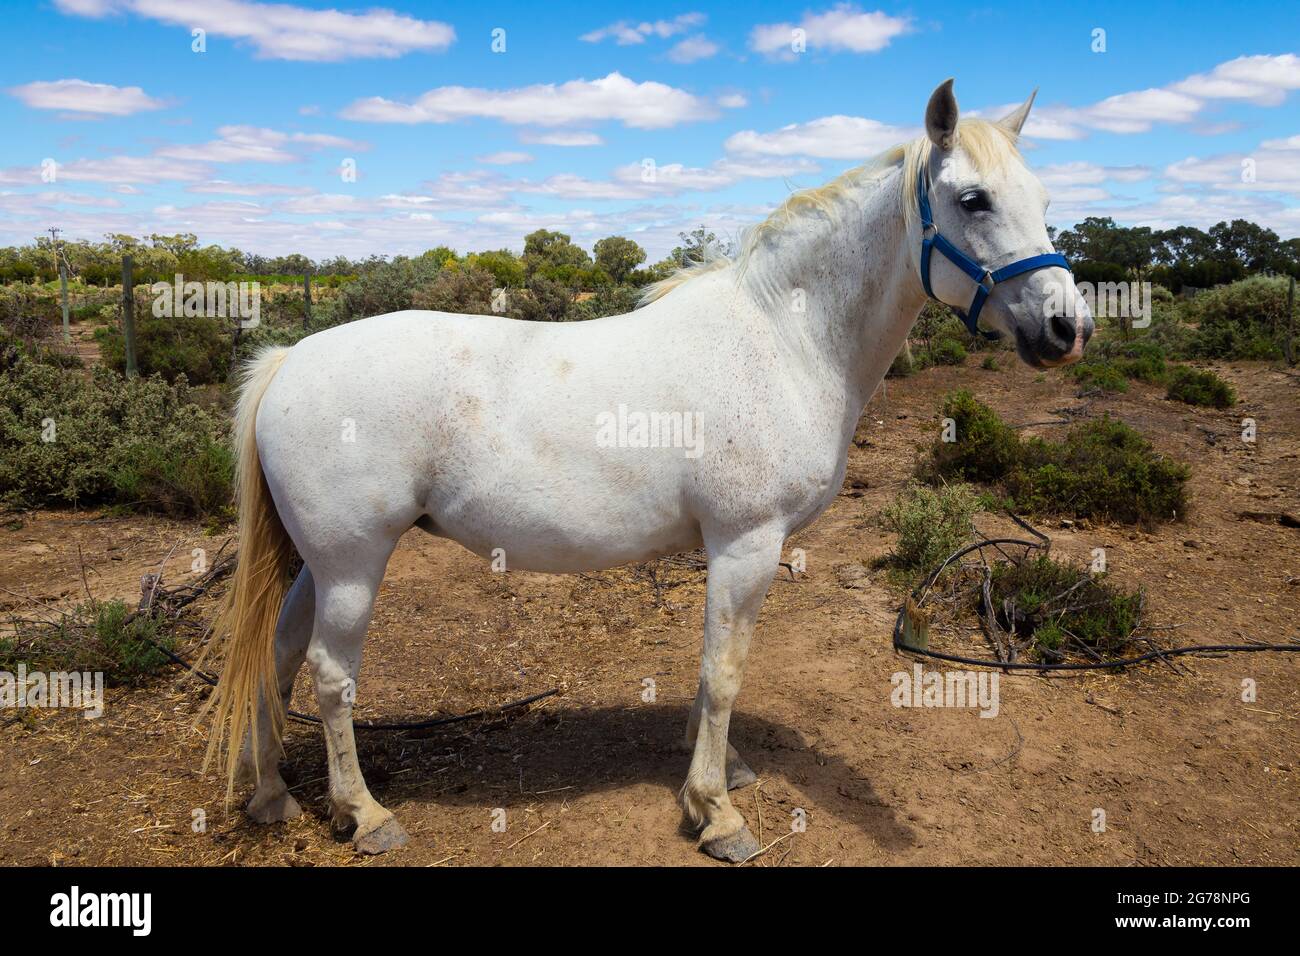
(975, 200)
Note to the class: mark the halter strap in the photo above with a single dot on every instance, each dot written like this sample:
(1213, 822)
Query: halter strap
(985, 280)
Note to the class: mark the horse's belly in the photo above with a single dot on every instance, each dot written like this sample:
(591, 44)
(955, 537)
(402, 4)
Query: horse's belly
(537, 532)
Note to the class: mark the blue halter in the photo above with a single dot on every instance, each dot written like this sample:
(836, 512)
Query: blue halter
(985, 279)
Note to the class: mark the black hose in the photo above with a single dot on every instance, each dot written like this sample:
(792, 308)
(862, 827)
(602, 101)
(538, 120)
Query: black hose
(919, 592)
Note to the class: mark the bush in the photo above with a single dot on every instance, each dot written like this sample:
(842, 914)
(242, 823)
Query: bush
(931, 523)
(96, 637)
(386, 287)
(903, 364)
(463, 290)
(139, 443)
(985, 448)
(1101, 469)
(1144, 361)
(1198, 387)
(1098, 373)
(197, 347)
(1241, 320)
(608, 300)
(990, 363)
(1056, 604)
(1114, 362)
(947, 351)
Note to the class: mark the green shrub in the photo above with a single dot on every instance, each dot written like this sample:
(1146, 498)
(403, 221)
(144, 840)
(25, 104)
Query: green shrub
(66, 439)
(1057, 604)
(903, 364)
(1241, 320)
(1113, 362)
(1101, 469)
(1200, 387)
(197, 347)
(990, 363)
(984, 449)
(947, 351)
(96, 637)
(1098, 373)
(1144, 361)
(931, 523)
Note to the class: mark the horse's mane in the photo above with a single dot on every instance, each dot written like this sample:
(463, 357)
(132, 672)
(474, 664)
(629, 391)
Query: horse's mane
(988, 145)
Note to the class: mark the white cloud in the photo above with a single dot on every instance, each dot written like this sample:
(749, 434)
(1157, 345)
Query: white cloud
(80, 98)
(506, 158)
(561, 138)
(1082, 173)
(626, 33)
(641, 181)
(321, 203)
(830, 137)
(252, 144)
(114, 169)
(842, 28)
(282, 31)
(1263, 80)
(1201, 210)
(226, 188)
(647, 105)
(1273, 167)
(733, 101)
(692, 49)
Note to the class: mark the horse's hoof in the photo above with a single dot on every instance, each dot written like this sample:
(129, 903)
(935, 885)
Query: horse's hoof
(739, 775)
(274, 809)
(389, 835)
(736, 848)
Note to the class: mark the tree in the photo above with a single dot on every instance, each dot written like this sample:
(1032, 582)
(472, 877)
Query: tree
(618, 256)
(545, 250)
(697, 245)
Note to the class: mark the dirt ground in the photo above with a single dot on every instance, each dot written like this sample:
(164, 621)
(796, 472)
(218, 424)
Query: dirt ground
(1186, 772)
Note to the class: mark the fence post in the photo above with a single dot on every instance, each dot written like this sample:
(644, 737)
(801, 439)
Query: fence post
(128, 316)
(306, 299)
(1290, 322)
(63, 289)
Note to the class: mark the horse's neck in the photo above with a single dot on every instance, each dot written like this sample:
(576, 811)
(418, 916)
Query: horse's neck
(847, 292)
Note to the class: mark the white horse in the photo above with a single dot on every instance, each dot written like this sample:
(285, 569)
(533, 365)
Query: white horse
(497, 433)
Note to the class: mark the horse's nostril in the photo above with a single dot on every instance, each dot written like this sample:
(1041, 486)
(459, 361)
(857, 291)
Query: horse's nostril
(1063, 327)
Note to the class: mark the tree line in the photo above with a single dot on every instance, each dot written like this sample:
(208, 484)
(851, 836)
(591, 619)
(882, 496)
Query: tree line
(549, 254)
(1102, 251)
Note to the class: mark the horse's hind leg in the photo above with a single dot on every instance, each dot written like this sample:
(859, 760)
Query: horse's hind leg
(740, 571)
(344, 602)
(271, 800)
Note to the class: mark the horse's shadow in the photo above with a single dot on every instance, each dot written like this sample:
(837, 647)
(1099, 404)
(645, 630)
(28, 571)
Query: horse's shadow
(554, 755)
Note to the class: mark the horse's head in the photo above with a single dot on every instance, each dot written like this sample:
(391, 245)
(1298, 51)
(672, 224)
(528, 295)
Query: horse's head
(984, 245)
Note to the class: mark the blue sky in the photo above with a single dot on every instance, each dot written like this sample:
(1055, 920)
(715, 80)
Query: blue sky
(1188, 116)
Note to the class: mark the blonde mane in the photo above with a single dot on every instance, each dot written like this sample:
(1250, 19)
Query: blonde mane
(989, 147)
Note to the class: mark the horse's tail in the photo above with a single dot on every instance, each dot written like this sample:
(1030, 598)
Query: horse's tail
(247, 617)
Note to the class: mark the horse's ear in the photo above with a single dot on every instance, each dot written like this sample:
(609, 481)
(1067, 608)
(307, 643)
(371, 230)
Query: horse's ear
(1015, 120)
(941, 116)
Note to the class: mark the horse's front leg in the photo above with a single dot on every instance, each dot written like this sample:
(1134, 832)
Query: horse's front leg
(741, 569)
